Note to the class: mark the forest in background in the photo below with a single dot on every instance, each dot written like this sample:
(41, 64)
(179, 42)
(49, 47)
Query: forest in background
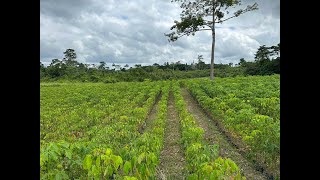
(266, 62)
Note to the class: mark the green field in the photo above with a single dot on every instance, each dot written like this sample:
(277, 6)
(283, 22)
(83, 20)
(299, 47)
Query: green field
(122, 130)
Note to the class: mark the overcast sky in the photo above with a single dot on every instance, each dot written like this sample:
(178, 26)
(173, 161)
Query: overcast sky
(132, 32)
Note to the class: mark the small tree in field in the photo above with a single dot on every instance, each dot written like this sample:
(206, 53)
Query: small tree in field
(200, 64)
(194, 14)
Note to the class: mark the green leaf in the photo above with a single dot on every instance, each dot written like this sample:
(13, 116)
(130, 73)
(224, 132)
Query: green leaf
(53, 155)
(108, 171)
(68, 154)
(54, 147)
(59, 166)
(208, 169)
(58, 176)
(108, 152)
(98, 161)
(42, 160)
(134, 161)
(87, 162)
(127, 167)
(154, 158)
(130, 178)
(234, 167)
(147, 172)
(212, 176)
(193, 177)
(141, 157)
(95, 170)
(117, 160)
(61, 175)
(64, 144)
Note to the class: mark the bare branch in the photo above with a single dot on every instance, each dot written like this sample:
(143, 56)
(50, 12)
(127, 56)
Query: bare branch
(225, 19)
(208, 24)
(204, 29)
(192, 17)
(238, 13)
(182, 35)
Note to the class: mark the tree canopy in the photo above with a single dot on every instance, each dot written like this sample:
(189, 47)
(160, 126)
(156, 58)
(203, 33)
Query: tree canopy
(201, 15)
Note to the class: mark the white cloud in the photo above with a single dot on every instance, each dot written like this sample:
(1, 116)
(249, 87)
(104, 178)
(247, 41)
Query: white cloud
(132, 31)
(234, 45)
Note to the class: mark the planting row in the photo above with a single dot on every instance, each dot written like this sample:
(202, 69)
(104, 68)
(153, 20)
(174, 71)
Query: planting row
(98, 130)
(203, 161)
(248, 108)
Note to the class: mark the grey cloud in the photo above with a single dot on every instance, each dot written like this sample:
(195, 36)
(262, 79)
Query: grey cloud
(133, 32)
(64, 8)
(266, 7)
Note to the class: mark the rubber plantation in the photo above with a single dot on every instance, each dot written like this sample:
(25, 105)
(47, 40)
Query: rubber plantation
(175, 129)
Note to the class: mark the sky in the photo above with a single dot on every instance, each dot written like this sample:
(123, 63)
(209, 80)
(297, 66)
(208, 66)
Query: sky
(132, 32)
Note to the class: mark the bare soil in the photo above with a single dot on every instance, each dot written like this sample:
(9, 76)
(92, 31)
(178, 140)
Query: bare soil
(151, 116)
(172, 159)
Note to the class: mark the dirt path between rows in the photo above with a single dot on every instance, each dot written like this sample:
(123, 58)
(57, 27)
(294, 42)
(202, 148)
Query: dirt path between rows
(148, 124)
(214, 136)
(172, 160)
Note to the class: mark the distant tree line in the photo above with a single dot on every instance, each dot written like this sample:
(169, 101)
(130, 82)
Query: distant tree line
(266, 62)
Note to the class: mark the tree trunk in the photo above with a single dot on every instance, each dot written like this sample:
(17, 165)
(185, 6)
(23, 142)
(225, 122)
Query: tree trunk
(212, 48)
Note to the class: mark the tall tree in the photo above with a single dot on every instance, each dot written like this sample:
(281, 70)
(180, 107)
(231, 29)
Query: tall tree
(262, 54)
(55, 62)
(156, 65)
(194, 14)
(268, 59)
(200, 64)
(41, 65)
(42, 70)
(102, 65)
(70, 57)
(56, 68)
(242, 62)
(275, 51)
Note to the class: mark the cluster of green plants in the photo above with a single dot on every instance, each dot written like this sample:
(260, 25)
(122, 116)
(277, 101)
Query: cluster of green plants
(139, 158)
(203, 161)
(80, 107)
(94, 130)
(98, 130)
(249, 109)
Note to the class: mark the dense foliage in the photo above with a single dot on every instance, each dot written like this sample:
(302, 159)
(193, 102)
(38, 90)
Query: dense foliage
(99, 131)
(267, 62)
(94, 130)
(249, 110)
